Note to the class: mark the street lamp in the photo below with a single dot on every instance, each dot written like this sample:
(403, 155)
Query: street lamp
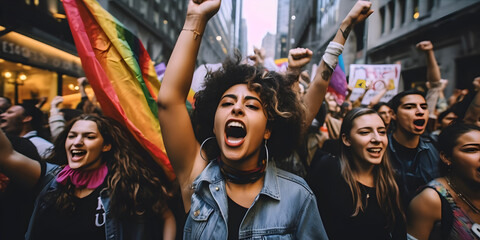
(7, 74)
(22, 76)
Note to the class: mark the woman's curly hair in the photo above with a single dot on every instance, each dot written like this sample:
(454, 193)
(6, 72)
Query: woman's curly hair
(135, 183)
(285, 114)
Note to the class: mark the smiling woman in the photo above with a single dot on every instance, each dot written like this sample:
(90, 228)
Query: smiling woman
(105, 184)
(85, 146)
(449, 206)
(357, 194)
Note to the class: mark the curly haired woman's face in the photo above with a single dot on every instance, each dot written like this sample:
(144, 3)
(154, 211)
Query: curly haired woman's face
(84, 145)
(240, 126)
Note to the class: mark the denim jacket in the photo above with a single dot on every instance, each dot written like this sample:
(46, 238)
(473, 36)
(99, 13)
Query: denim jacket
(285, 208)
(423, 169)
(139, 227)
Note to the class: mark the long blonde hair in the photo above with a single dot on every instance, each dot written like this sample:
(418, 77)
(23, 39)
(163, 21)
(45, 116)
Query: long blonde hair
(386, 189)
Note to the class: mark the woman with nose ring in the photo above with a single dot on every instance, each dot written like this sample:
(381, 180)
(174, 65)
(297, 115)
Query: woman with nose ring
(244, 118)
(102, 189)
(356, 193)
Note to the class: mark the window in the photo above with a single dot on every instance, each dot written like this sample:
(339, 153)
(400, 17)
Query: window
(401, 5)
(359, 30)
(416, 13)
(391, 9)
(21, 82)
(166, 6)
(173, 15)
(382, 17)
(156, 19)
(144, 7)
(430, 5)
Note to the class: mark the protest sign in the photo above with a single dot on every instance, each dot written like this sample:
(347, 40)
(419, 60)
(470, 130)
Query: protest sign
(376, 77)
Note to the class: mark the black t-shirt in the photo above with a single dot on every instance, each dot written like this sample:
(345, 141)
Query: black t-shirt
(335, 204)
(235, 217)
(87, 221)
(406, 155)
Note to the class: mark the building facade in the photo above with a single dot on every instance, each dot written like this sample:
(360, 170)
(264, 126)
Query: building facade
(243, 42)
(452, 26)
(268, 43)
(282, 37)
(223, 33)
(38, 57)
(157, 23)
(391, 32)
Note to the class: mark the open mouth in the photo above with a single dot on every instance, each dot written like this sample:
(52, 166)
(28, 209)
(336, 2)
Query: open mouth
(235, 133)
(78, 154)
(374, 150)
(419, 122)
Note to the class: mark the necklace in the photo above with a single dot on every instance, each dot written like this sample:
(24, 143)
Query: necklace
(239, 176)
(462, 196)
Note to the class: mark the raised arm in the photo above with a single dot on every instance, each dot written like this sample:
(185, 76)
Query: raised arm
(379, 95)
(297, 59)
(179, 138)
(472, 116)
(433, 76)
(358, 102)
(16, 166)
(56, 119)
(433, 71)
(258, 56)
(316, 92)
(81, 86)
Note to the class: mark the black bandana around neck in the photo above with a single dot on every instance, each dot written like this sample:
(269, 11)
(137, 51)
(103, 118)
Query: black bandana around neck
(239, 176)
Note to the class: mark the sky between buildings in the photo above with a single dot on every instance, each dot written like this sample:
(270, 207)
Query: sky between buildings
(261, 17)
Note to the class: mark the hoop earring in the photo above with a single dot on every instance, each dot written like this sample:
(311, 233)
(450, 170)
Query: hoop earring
(266, 152)
(201, 147)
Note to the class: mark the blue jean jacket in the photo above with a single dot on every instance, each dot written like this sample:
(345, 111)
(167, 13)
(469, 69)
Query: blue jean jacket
(138, 227)
(423, 169)
(284, 209)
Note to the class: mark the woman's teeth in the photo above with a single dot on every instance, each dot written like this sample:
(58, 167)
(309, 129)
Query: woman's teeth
(374, 150)
(235, 124)
(78, 152)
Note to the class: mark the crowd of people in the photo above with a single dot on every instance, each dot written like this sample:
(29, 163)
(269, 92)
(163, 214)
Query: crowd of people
(262, 155)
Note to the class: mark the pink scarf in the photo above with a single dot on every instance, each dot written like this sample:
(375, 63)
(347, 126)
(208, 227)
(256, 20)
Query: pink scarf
(90, 179)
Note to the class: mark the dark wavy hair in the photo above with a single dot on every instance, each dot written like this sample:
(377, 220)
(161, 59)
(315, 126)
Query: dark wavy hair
(387, 192)
(135, 183)
(395, 102)
(377, 106)
(285, 114)
(448, 139)
(37, 121)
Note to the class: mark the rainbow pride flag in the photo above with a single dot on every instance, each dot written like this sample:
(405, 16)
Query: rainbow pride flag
(120, 72)
(282, 64)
